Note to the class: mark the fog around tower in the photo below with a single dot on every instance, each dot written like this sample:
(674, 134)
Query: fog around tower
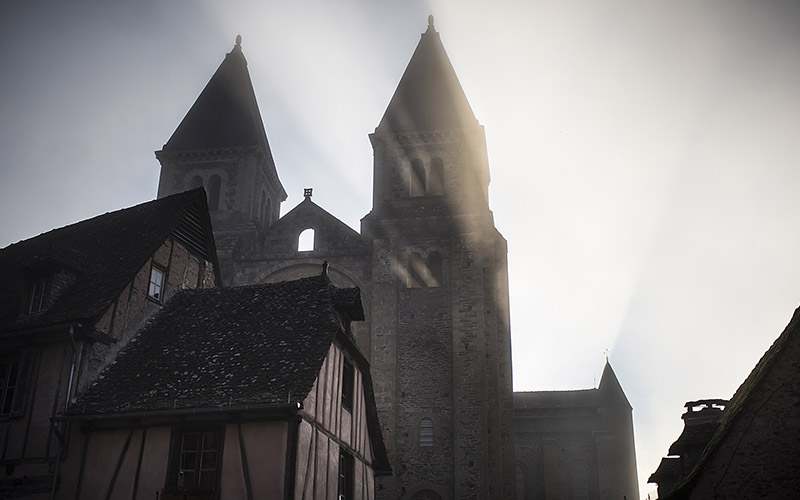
(643, 155)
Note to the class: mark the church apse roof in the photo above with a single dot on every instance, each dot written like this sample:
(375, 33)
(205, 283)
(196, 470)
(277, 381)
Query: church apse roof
(226, 113)
(429, 95)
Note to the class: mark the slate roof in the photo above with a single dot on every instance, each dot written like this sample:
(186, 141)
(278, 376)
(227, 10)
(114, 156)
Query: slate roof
(669, 468)
(694, 437)
(429, 95)
(103, 254)
(775, 354)
(608, 392)
(224, 347)
(226, 113)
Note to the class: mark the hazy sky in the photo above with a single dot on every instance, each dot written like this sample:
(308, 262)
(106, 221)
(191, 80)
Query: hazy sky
(645, 156)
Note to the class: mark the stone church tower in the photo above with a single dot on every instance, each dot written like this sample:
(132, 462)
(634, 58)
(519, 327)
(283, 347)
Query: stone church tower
(439, 291)
(430, 264)
(221, 145)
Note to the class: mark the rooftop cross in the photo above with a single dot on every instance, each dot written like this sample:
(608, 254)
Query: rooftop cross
(307, 192)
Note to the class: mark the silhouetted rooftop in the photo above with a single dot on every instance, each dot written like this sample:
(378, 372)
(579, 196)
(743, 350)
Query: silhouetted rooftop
(101, 254)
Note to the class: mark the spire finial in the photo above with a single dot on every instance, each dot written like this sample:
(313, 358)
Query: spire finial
(430, 21)
(238, 40)
(307, 192)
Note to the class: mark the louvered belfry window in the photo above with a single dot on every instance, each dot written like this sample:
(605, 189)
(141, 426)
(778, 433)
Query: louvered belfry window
(426, 432)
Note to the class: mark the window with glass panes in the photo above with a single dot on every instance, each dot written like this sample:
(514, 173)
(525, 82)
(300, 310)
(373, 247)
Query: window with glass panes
(9, 379)
(156, 283)
(199, 459)
(346, 473)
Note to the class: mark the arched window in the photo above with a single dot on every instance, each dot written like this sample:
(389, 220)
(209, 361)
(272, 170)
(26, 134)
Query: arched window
(436, 187)
(435, 269)
(416, 270)
(579, 476)
(426, 432)
(214, 184)
(416, 186)
(520, 482)
(305, 242)
(426, 495)
(196, 182)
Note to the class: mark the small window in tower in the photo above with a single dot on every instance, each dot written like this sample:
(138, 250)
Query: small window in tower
(580, 482)
(196, 182)
(348, 389)
(305, 242)
(214, 186)
(268, 212)
(262, 206)
(435, 269)
(436, 187)
(416, 271)
(156, 287)
(426, 432)
(416, 185)
(521, 482)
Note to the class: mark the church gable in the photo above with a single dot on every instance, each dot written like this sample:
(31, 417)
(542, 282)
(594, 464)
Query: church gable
(329, 235)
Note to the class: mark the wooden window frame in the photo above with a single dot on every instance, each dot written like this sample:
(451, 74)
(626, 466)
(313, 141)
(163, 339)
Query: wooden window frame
(14, 371)
(346, 475)
(37, 294)
(204, 480)
(155, 291)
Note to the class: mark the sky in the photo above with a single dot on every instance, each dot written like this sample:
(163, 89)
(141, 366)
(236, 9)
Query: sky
(645, 155)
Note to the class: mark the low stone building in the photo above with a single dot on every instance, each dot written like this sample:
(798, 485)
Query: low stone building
(751, 449)
(70, 299)
(247, 392)
(575, 444)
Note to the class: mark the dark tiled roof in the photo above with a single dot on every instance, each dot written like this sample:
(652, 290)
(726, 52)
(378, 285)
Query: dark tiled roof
(670, 468)
(777, 353)
(693, 437)
(556, 399)
(608, 393)
(226, 114)
(103, 254)
(429, 95)
(224, 347)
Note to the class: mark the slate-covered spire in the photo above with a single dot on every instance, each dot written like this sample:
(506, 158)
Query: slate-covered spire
(226, 114)
(429, 95)
(610, 387)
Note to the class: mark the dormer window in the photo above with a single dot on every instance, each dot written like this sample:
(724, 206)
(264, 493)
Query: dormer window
(156, 283)
(36, 295)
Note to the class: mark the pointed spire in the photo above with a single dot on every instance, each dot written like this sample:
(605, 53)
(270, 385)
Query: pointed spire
(429, 95)
(226, 113)
(610, 387)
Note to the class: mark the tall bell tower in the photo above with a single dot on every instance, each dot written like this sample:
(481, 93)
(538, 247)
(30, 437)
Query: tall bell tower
(441, 348)
(222, 146)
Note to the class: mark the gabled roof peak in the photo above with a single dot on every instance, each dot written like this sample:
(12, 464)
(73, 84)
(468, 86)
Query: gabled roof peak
(225, 114)
(610, 386)
(429, 95)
